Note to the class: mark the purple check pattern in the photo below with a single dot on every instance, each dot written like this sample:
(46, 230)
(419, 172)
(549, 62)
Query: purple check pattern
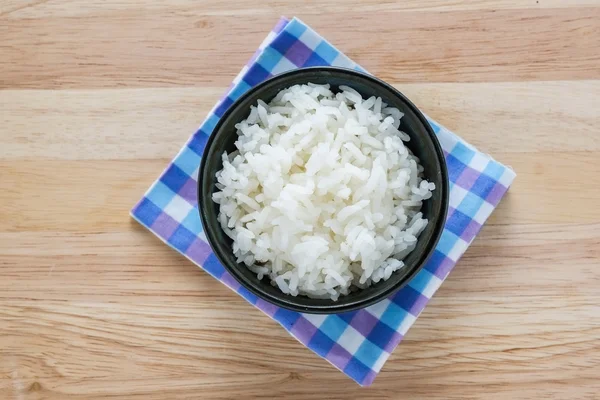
(358, 343)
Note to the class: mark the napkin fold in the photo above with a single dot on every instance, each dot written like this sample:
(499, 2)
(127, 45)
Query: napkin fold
(358, 343)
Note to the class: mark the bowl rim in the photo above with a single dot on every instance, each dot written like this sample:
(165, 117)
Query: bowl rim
(290, 302)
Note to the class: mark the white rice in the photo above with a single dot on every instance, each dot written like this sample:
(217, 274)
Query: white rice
(321, 194)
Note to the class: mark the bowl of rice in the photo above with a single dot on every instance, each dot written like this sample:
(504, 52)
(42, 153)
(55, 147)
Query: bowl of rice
(323, 190)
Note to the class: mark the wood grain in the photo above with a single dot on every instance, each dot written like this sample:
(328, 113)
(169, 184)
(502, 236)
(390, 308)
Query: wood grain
(129, 124)
(162, 48)
(96, 97)
(33, 8)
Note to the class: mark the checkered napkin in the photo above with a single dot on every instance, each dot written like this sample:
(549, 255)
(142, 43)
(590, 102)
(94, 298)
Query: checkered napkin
(358, 343)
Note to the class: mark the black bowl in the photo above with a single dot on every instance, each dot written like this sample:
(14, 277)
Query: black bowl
(423, 144)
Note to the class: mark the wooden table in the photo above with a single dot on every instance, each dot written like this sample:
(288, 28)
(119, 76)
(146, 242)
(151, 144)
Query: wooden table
(95, 99)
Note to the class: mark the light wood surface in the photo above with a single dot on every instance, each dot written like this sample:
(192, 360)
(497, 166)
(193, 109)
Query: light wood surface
(97, 96)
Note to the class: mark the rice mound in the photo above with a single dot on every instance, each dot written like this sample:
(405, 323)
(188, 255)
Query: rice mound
(321, 195)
